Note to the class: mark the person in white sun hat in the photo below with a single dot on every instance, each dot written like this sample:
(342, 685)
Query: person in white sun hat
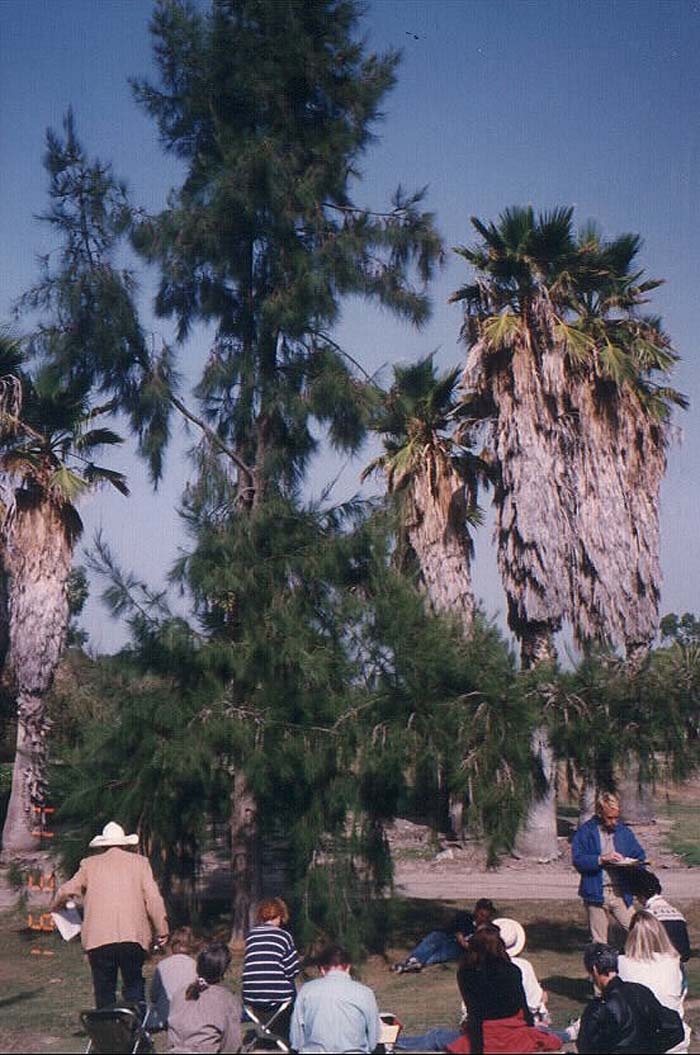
(122, 909)
(513, 937)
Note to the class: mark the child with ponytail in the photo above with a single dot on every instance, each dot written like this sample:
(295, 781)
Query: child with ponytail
(205, 1016)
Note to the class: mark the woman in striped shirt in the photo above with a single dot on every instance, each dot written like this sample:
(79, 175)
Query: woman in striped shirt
(270, 965)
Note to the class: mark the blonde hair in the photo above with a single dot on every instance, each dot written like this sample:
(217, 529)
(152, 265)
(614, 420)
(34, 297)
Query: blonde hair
(271, 908)
(647, 938)
(607, 798)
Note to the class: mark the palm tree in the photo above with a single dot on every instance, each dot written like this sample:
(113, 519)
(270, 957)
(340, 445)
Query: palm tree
(46, 466)
(435, 480)
(566, 370)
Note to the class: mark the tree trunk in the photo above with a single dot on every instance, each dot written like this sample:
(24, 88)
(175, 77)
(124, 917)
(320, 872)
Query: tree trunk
(537, 644)
(538, 838)
(586, 801)
(437, 530)
(636, 797)
(28, 777)
(38, 538)
(456, 812)
(245, 856)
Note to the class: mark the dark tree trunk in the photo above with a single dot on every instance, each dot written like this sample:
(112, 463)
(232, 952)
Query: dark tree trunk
(245, 856)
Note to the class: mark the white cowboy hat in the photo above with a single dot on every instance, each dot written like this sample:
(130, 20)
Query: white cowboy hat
(114, 835)
(512, 934)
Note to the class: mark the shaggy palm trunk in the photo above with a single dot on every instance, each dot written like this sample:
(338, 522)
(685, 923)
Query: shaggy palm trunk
(437, 531)
(535, 509)
(619, 466)
(38, 538)
(245, 856)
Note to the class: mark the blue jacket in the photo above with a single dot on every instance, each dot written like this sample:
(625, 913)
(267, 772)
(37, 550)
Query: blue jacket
(586, 850)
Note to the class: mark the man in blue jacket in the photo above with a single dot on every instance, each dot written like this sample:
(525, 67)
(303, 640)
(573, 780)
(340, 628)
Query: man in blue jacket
(598, 848)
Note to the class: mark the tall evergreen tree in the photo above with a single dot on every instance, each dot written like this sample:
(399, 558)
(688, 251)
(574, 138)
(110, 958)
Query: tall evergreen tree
(271, 106)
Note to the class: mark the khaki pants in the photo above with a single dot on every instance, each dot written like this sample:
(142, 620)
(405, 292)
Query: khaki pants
(599, 915)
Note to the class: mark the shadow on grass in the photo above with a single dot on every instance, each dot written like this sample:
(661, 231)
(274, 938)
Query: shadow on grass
(413, 918)
(578, 989)
(555, 936)
(19, 998)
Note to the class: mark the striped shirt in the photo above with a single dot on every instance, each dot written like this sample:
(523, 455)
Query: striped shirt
(270, 964)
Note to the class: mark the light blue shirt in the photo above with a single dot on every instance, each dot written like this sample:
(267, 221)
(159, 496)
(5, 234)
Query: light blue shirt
(335, 1014)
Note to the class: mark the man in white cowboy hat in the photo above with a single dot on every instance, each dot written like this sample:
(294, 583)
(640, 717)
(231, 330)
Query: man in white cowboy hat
(513, 937)
(122, 908)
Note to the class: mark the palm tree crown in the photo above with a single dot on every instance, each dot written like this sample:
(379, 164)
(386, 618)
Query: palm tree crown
(572, 378)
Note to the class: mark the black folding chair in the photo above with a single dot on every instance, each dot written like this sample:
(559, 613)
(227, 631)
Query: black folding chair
(259, 1034)
(116, 1031)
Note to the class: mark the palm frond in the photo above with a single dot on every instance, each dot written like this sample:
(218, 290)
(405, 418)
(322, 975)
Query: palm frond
(501, 331)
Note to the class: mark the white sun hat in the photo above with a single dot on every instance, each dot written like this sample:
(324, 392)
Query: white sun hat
(114, 835)
(512, 934)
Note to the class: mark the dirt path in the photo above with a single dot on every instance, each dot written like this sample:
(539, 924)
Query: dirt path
(459, 871)
(510, 885)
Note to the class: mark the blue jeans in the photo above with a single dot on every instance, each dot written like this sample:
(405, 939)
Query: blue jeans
(437, 947)
(434, 1040)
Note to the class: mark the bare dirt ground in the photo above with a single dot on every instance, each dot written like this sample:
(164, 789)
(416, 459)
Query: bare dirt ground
(458, 871)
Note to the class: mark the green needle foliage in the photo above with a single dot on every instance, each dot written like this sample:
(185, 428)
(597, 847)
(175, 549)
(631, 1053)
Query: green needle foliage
(319, 675)
(271, 107)
(87, 331)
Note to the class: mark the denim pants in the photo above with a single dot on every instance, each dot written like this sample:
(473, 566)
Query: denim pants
(437, 947)
(434, 1040)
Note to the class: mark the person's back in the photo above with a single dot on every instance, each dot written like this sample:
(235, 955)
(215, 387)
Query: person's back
(334, 1013)
(651, 959)
(208, 1025)
(626, 1017)
(492, 991)
(662, 975)
(206, 1016)
(120, 900)
(172, 975)
(270, 965)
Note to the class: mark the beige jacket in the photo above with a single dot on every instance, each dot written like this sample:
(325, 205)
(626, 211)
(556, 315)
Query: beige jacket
(121, 901)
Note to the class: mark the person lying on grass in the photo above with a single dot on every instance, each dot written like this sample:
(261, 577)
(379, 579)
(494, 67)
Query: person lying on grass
(441, 946)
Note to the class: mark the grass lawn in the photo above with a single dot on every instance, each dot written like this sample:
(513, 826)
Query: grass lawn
(42, 995)
(684, 837)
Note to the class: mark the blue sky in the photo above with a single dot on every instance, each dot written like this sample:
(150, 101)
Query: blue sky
(498, 102)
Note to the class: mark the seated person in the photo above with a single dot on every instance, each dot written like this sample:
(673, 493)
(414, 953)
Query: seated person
(513, 936)
(173, 973)
(652, 960)
(206, 1016)
(647, 889)
(334, 1012)
(626, 1017)
(498, 1018)
(440, 946)
(270, 965)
